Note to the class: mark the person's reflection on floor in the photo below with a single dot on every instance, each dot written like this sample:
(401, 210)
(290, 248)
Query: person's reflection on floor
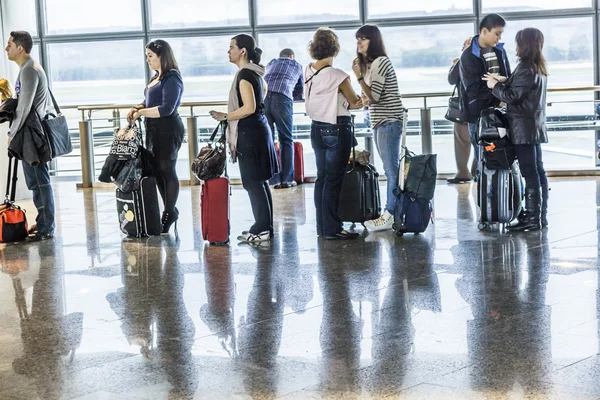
(175, 329)
(218, 313)
(153, 295)
(340, 328)
(48, 335)
(297, 279)
(508, 338)
(413, 287)
(133, 302)
(261, 329)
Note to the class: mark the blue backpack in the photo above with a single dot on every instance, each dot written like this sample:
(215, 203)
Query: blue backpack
(411, 214)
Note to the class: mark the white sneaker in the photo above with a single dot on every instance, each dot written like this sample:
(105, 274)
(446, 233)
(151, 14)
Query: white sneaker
(382, 223)
(247, 237)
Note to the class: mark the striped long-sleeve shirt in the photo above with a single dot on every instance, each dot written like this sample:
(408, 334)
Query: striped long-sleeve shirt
(381, 77)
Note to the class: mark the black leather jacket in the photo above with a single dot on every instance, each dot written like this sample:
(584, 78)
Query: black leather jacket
(525, 96)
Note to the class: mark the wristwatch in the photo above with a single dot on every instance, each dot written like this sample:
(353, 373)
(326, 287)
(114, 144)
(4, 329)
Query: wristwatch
(360, 79)
(224, 117)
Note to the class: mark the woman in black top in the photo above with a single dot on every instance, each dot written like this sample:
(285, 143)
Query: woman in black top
(164, 128)
(249, 136)
(525, 96)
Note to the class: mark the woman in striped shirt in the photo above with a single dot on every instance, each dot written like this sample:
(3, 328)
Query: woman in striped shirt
(377, 78)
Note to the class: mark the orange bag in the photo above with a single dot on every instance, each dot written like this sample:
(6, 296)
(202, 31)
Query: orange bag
(13, 222)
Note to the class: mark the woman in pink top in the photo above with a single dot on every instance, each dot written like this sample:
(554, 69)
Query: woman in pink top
(329, 96)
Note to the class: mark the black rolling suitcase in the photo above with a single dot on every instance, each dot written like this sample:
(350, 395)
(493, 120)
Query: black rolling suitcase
(359, 200)
(499, 195)
(138, 210)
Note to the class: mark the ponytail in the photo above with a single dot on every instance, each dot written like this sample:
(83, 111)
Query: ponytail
(244, 41)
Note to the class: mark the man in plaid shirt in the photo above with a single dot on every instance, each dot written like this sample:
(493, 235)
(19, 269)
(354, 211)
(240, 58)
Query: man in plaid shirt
(285, 79)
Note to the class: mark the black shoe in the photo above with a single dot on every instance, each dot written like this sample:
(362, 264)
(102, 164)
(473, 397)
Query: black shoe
(285, 185)
(343, 235)
(168, 219)
(38, 236)
(458, 180)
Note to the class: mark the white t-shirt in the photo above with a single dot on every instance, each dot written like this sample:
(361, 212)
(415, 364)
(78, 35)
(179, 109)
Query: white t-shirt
(324, 101)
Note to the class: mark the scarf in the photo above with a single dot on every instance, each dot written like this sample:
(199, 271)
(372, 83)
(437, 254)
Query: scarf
(233, 104)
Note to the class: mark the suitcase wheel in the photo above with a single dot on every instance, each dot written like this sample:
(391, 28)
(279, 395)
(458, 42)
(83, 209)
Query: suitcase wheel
(220, 243)
(399, 233)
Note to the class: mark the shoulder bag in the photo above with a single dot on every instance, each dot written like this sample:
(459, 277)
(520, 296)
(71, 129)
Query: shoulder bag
(57, 131)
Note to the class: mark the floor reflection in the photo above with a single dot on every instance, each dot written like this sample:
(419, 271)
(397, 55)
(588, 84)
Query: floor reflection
(453, 313)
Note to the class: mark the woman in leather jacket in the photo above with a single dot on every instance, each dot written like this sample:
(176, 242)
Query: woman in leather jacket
(525, 96)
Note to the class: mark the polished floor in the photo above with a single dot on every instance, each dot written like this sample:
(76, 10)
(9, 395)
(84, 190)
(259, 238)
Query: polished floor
(451, 314)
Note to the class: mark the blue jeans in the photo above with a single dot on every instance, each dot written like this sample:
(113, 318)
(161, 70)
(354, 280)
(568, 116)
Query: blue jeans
(387, 139)
(279, 112)
(332, 144)
(38, 181)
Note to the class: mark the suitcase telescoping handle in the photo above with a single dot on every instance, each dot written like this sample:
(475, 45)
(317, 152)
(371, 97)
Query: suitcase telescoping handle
(353, 146)
(402, 150)
(11, 180)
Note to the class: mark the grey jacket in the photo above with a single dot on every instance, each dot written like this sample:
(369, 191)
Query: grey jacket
(32, 93)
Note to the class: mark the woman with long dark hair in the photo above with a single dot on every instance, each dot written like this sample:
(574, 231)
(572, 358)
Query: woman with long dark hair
(525, 96)
(164, 128)
(379, 84)
(249, 136)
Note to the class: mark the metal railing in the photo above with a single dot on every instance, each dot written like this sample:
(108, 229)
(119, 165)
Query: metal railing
(87, 139)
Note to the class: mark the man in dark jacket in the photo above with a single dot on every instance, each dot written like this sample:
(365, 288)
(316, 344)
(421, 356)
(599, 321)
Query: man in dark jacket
(484, 55)
(462, 140)
(33, 95)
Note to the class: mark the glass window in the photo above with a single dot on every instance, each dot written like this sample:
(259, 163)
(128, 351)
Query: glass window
(423, 55)
(205, 67)
(532, 5)
(19, 15)
(273, 43)
(76, 16)
(178, 14)
(90, 73)
(297, 11)
(427, 8)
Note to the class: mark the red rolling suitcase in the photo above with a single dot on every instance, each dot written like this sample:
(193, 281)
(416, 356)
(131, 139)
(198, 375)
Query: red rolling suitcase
(298, 161)
(214, 203)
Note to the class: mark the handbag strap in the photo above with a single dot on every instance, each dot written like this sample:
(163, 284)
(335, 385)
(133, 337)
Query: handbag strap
(56, 107)
(454, 91)
(403, 150)
(222, 124)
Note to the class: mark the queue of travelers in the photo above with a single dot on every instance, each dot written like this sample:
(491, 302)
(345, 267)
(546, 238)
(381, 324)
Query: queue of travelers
(261, 102)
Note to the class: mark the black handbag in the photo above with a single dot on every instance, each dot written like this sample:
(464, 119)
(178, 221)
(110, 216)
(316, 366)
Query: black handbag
(499, 154)
(57, 131)
(453, 112)
(210, 162)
